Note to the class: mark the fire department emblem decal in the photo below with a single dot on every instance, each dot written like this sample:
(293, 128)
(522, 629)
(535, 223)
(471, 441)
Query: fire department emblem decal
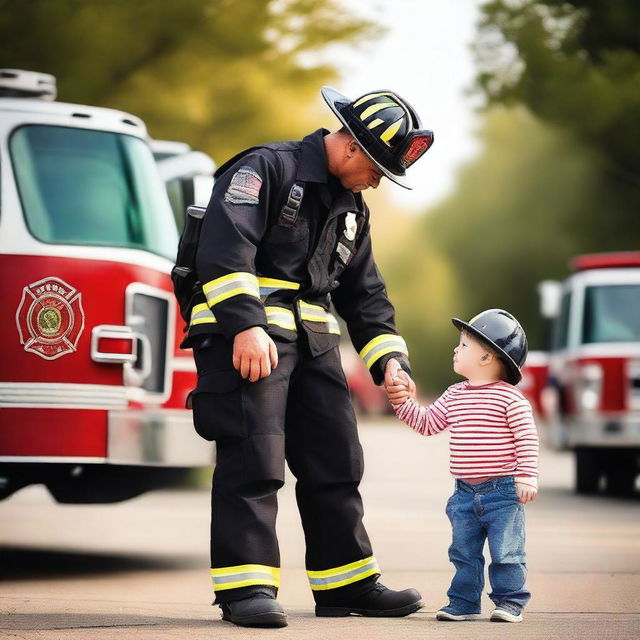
(50, 318)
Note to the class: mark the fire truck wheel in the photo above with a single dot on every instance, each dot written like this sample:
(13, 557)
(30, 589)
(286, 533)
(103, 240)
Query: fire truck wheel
(621, 473)
(103, 484)
(587, 471)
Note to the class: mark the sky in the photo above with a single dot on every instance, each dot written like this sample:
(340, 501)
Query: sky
(425, 57)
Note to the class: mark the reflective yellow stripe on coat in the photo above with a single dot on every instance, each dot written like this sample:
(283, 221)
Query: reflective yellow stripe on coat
(341, 576)
(315, 313)
(271, 285)
(201, 314)
(279, 316)
(233, 284)
(380, 346)
(244, 575)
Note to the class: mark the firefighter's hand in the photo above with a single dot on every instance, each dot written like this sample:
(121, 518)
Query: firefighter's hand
(526, 493)
(401, 392)
(254, 354)
(397, 383)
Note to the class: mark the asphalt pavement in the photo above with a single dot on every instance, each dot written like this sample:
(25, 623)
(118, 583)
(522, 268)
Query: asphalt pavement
(139, 569)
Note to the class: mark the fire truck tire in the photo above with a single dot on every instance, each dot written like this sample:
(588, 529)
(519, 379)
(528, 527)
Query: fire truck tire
(587, 471)
(108, 484)
(621, 472)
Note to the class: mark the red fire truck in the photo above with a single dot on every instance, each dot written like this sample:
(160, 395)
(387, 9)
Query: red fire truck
(592, 397)
(92, 382)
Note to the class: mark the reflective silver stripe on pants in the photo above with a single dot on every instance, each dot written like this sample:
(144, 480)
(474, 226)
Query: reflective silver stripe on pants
(238, 577)
(347, 576)
(244, 576)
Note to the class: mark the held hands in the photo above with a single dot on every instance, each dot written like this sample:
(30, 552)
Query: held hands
(526, 493)
(398, 385)
(254, 354)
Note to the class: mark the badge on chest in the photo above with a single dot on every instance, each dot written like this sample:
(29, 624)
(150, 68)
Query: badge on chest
(346, 242)
(350, 226)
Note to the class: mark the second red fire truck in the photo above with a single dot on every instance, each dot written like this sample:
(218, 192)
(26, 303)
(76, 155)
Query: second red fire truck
(591, 394)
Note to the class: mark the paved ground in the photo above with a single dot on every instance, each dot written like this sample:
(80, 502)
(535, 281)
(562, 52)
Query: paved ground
(139, 569)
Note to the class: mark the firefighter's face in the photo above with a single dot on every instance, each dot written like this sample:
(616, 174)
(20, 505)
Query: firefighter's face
(358, 172)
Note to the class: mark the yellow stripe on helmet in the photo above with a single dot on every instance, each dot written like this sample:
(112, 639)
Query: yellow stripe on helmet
(369, 96)
(374, 108)
(391, 130)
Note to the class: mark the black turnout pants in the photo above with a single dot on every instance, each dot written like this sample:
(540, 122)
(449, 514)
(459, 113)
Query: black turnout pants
(302, 413)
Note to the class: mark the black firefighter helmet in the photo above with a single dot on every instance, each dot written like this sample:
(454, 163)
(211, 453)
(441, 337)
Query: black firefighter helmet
(386, 127)
(501, 332)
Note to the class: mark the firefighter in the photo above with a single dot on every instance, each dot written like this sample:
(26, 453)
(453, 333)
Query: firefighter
(285, 234)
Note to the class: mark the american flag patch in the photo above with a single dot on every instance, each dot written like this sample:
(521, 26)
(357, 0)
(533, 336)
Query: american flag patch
(244, 187)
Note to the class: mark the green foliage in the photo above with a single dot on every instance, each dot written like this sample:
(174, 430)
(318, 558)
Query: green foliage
(575, 64)
(424, 288)
(219, 74)
(533, 199)
(559, 174)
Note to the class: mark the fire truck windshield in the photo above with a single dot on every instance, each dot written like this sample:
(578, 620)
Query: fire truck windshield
(612, 314)
(86, 187)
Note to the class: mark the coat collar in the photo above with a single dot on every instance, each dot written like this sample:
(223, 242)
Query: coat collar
(313, 165)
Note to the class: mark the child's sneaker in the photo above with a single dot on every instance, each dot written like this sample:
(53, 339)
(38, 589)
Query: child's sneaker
(507, 612)
(449, 614)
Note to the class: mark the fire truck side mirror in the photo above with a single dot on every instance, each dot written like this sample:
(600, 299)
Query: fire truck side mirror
(550, 292)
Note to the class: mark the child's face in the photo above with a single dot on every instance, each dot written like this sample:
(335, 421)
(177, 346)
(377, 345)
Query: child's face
(468, 355)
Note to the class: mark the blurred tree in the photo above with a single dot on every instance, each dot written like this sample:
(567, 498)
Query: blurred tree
(574, 64)
(219, 74)
(424, 287)
(532, 199)
(559, 174)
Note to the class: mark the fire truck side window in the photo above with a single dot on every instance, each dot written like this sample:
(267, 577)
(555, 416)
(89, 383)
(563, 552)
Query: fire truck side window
(561, 326)
(85, 187)
(612, 314)
(179, 194)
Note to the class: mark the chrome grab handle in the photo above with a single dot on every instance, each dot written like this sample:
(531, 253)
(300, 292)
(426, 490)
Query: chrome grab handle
(115, 332)
(135, 375)
(142, 373)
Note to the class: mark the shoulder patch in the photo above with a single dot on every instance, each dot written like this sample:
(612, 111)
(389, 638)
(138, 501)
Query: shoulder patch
(244, 187)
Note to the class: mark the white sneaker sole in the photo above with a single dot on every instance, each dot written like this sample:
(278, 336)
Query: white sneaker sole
(499, 615)
(445, 616)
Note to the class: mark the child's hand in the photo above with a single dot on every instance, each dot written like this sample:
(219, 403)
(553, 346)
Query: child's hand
(526, 493)
(402, 388)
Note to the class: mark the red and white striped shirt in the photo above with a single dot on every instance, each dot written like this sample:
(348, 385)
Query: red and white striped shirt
(492, 431)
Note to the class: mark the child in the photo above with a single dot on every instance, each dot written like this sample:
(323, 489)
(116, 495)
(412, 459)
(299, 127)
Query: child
(493, 458)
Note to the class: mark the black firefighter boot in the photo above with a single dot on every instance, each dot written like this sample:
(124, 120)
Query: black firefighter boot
(259, 609)
(373, 599)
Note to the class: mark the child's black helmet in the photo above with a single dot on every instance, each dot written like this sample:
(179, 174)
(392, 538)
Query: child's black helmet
(386, 127)
(502, 332)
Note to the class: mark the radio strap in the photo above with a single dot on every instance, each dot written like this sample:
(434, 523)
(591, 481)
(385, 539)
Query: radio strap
(289, 213)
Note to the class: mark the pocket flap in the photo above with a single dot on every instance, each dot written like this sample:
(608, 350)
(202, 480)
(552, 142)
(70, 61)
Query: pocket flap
(218, 382)
(280, 234)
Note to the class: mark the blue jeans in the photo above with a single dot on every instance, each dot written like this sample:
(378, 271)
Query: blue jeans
(490, 511)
